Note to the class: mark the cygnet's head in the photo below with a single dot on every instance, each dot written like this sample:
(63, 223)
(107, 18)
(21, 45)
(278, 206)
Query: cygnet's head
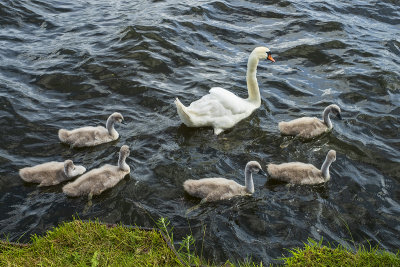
(255, 167)
(335, 110)
(263, 53)
(124, 151)
(331, 155)
(72, 170)
(117, 117)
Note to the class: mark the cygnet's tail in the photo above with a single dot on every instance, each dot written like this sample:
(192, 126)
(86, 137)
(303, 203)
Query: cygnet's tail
(70, 190)
(190, 187)
(24, 174)
(284, 127)
(63, 135)
(183, 113)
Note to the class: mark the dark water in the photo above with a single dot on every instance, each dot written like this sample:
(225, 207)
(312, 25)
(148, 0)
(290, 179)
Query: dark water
(69, 65)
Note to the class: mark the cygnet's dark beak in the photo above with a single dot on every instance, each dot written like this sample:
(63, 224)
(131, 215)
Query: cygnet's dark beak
(123, 122)
(339, 116)
(262, 173)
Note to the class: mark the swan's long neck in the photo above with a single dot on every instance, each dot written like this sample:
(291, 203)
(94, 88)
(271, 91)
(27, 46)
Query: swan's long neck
(252, 84)
(110, 127)
(249, 185)
(325, 168)
(327, 120)
(121, 162)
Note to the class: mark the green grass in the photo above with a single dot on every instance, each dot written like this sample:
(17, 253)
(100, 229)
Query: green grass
(315, 254)
(80, 243)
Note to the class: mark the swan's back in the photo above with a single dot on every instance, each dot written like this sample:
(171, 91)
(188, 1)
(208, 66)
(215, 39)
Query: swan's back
(305, 127)
(296, 172)
(95, 181)
(213, 189)
(85, 136)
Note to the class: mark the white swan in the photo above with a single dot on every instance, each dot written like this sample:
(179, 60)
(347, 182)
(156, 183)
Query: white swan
(97, 180)
(51, 173)
(302, 173)
(308, 127)
(214, 189)
(222, 109)
(92, 136)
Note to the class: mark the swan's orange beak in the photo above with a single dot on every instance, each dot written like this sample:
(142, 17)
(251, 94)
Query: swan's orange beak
(270, 58)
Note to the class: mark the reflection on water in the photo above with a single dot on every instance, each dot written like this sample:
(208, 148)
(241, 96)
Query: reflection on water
(65, 65)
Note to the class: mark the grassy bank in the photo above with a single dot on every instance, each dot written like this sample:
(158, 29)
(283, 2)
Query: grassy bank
(80, 243)
(91, 244)
(316, 254)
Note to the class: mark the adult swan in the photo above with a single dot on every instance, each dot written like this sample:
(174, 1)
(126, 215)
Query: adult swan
(222, 109)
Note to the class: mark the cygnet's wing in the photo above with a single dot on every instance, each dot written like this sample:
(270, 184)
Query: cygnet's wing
(295, 172)
(45, 173)
(305, 127)
(213, 187)
(88, 136)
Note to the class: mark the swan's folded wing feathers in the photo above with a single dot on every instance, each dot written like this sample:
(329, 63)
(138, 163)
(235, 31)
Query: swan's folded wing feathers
(229, 100)
(206, 106)
(218, 103)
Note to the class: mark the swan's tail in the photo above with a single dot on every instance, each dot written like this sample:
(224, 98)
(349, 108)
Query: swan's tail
(183, 113)
(63, 135)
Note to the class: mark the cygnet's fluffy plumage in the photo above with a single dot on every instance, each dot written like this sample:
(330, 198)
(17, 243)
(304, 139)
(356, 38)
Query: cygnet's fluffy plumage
(92, 136)
(97, 180)
(222, 109)
(309, 127)
(51, 173)
(214, 189)
(302, 173)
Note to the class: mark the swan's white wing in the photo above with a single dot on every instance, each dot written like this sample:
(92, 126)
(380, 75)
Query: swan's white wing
(219, 102)
(229, 100)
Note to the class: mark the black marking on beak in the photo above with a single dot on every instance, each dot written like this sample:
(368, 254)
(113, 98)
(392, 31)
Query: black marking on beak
(263, 173)
(269, 56)
(339, 116)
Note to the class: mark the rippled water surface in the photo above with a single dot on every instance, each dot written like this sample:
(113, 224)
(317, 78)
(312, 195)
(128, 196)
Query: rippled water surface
(65, 65)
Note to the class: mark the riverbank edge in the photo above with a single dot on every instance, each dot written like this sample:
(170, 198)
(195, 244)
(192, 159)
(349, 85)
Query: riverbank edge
(92, 243)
